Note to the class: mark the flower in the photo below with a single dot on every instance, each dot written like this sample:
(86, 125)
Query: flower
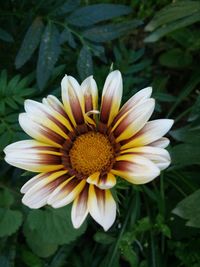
(78, 153)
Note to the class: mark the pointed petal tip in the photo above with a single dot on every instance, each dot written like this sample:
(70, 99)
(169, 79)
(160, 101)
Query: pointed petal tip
(116, 72)
(64, 80)
(168, 123)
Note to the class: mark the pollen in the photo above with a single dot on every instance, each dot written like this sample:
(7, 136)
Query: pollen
(91, 152)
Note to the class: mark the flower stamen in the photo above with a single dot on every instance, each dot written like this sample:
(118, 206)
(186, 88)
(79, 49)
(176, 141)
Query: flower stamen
(91, 152)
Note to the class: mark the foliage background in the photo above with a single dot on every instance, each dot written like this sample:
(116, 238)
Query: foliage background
(152, 43)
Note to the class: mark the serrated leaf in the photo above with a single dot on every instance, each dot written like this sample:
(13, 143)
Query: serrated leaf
(39, 247)
(67, 36)
(101, 34)
(90, 15)
(85, 63)
(48, 54)
(189, 209)
(5, 36)
(30, 42)
(50, 227)
(10, 221)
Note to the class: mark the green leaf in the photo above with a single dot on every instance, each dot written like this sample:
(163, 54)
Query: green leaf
(185, 155)
(6, 198)
(162, 227)
(195, 113)
(85, 63)
(65, 8)
(39, 247)
(59, 258)
(187, 134)
(5, 139)
(129, 254)
(48, 54)
(3, 81)
(186, 90)
(189, 209)
(176, 58)
(173, 12)
(30, 42)
(101, 34)
(4, 261)
(50, 228)
(5, 36)
(67, 36)
(168, 28)
(104, 238)
(10, 221)
(30, 259)
(90, 15)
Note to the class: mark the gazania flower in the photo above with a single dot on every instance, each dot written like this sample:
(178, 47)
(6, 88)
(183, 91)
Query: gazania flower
(78, 151)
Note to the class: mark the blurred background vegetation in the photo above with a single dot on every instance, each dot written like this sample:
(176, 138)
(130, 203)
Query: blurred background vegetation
(152, 43)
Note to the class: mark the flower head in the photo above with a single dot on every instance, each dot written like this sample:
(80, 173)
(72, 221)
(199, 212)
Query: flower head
(78, 151)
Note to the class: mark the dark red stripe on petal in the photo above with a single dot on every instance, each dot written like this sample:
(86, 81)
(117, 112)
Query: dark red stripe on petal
(58, 123)
(88, 103)
(52, 135)
(45, 148)
(45, 159)
(76, 109)
(100, 194)
(123, 142)
(70, 186)
(83, 196)
(105, 109)
(123, 165)
(121, 127)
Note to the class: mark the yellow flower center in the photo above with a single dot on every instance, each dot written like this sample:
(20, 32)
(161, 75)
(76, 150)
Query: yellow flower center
(91, 152)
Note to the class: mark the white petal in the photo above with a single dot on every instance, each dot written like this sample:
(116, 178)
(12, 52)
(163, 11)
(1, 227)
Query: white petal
(37, 131)
(163, 142)
(134, 101)
(90, 93)
(80, 208)
(134, 120)
(152, 131)
(102, 206)
(111, 97)
(33, 156)
(159, 156)
(135, 169)
(73, 99)
(40, 187)
(47, 117)
(66, 192)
